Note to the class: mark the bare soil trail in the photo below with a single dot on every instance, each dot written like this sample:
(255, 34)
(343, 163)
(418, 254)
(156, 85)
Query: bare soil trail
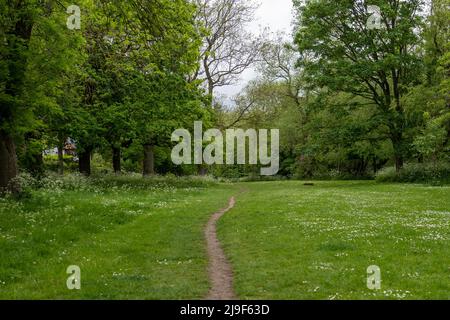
(220, 271)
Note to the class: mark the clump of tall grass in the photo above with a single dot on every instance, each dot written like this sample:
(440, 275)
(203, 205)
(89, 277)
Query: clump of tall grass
(55, 183)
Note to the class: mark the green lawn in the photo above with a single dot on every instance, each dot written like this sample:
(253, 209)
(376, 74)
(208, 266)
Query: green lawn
(129, 243)
(284, 240)
(290, 241)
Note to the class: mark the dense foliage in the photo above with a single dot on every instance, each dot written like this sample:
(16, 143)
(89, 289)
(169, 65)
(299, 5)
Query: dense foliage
(349, 100)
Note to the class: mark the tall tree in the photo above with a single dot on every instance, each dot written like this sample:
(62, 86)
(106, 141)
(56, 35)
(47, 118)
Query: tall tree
(18, 19)
(37, 49)
(228, 49)
(167, 97)
(377, 64)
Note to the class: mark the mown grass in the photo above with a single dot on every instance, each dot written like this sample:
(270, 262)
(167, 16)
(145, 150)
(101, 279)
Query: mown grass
(290, 241)
(132, 239)
(139, 238)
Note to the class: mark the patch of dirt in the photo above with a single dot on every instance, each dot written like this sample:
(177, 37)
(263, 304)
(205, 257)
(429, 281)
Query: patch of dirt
(220, 271)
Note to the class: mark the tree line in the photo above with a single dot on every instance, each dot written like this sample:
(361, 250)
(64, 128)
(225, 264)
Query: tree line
(129, 76)
(348, 99)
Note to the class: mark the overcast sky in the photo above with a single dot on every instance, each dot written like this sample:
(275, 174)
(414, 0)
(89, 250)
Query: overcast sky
(275, 14)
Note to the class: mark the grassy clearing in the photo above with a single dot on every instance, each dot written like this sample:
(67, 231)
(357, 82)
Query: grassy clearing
(143, 239)
(289, 241)
(131, 241)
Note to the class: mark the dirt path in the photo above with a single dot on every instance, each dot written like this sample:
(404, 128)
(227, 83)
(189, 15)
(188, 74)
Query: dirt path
(220, 272)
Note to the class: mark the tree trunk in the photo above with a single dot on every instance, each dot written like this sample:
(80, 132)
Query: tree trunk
(398, 145)
(85, 162)
(149, 160)
(202, 170)
(398, 154)
(16, 62)
(116, 160)
(399, 163)
(61, 158)
(209, 80)
(8, 163)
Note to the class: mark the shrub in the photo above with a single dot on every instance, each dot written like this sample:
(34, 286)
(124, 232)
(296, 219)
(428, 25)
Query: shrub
(24, 184)
(437, 174)
(332, 175)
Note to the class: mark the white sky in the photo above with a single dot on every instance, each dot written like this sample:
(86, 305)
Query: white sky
(275, 14)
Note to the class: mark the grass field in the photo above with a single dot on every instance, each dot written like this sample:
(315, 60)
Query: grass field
(289, 241)
(130, 243)
(284, 241)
